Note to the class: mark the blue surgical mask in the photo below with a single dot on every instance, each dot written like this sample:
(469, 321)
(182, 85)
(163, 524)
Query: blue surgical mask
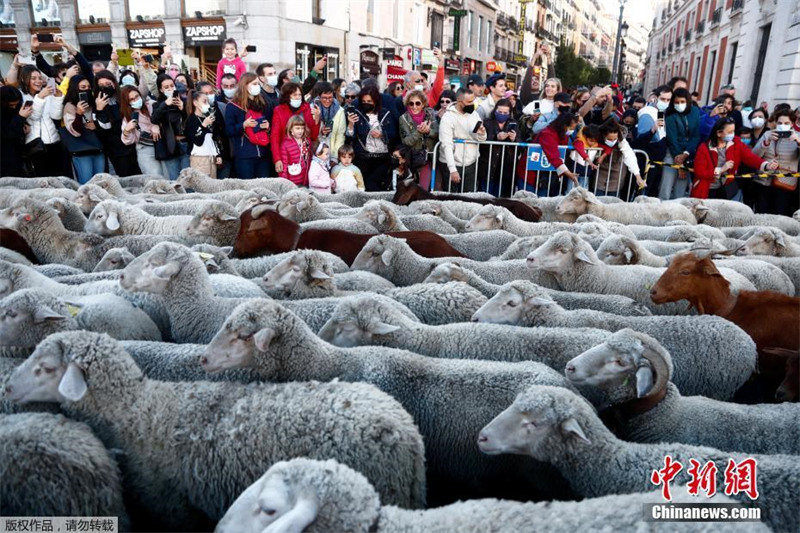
(128, 80)
(137, 104)
(662, 106)
(501, 117)
(610, 142)
(728, 138)
(229, 93)
(747, 141)
(680, 108)
(211, 98)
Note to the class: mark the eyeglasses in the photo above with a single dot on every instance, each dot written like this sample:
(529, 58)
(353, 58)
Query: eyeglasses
(349, 96)
(444, 101)
(415, 104)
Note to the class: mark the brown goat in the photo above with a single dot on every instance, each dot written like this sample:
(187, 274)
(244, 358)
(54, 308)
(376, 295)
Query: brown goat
(770, 318)
(789, 389)
(269, 232)
(408, 191)
(14, 241)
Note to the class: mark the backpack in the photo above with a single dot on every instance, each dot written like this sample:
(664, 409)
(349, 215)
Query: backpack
(256, 135)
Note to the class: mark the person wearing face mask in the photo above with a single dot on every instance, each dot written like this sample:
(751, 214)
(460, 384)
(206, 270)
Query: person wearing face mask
(291, 104)
(78, 133)
(562, 102)
(332, 123)
(372, 131)
(229, 85)
(615, 164)
(416, 81)
(122, 158)
(782, 145)
(230, 63)
(683, 135)
(169, 114)
(719, 159)
(458, 161)
(218, 129)
(269, 80)
(652, 135)
(12, 120)
(138, 130)
(204, 154)
(722, 107)
(249, 120)
(419, 131)
(500, 126)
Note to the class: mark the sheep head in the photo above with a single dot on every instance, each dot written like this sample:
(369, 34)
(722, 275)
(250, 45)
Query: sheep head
(13, 277)
(30, 315)
(542, 422)
(688, 277)
(377, 255)
(306, 267)
(428, 207)
(217, 218)
(683, 233)
(254, 198)
(108, 183)
(114, 259)
(699, 209)
(293, 494)
(576, 202)
(163, 187)
(27, 214)
(446, 272)
(488, 217)
(525, 195)
(105, 218)
(294, 202)
(359, 320)
(629, 365)
(215, 258)
(407, 192)
(764, 241)
(561, 253)
(189, 177)
(245, 337)
(516, 303)
(619, 250)
(380, 215)
(153, 271)
(89, 195)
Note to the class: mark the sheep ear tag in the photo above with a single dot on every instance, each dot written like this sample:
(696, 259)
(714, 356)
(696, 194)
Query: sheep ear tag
(112, 222)
(73, 310)
(644, 381)
(262, 338)
(572, 427)
(204, 256)
(73, 384)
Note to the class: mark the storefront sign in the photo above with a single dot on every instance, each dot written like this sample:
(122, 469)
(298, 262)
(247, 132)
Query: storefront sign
(395, 70)
(452, 64)
(387, 53)
(144, 37)
(370, 65)
(204, 34)
(94, 37)
(491, 66)
(456, 81)
(9, 43)
(538, 161)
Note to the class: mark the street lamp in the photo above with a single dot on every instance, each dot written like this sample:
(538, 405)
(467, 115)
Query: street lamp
(616, 44)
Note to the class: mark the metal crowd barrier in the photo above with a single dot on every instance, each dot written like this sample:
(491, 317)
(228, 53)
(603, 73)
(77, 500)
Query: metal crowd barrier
(494, 180)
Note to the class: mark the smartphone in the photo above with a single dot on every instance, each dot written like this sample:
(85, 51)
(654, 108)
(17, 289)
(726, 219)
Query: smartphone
(83, 96)
(45, 37)
(436, 44)
(350, 109)
(537, 104)
(135, 116)
(660, 114)
(28, 103)
(149, 58)
(784, 134)
(477, 127)
(250, 48)
(512, 125)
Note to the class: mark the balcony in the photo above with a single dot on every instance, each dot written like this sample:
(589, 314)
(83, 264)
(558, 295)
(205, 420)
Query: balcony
(687, 36)
(701, 27)
(716, 17)
(530, 26)
(677, 43)
(737, 7)
(669, 47)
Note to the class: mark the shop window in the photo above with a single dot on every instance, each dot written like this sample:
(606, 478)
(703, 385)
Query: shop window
(205, 8)
(93, 12)
(45, 13)
(306, 56)
(7, 15)
(141, 11)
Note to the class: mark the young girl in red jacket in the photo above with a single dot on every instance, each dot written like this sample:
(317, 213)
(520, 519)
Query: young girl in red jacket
(296, 151)
(718, 160)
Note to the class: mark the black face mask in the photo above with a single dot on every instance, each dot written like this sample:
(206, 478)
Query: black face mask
(469, 108)
(564, 108)
(395, 162)
(108, 91)
(367, 108)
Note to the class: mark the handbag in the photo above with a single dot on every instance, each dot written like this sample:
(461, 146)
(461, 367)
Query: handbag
(87, 143)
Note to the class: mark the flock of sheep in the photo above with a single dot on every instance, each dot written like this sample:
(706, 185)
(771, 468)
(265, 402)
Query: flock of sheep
(149, 374)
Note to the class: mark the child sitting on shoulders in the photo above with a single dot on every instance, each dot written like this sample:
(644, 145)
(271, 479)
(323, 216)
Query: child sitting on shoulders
(319, 176)
(346, 175)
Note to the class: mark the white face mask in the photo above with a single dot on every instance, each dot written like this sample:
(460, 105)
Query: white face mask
(296, 102)
(419, 87)
(611, 143)
(169, 94)
(229, 93)
(783, 127)
(272, 81)
(758, 122)
(254, 89)
(570, 132)
(662, 106)
(680, 108)
(204, 108)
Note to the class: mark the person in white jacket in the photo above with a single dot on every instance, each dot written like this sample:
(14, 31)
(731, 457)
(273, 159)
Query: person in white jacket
(458, 161)
(49, 157)
(611, 172)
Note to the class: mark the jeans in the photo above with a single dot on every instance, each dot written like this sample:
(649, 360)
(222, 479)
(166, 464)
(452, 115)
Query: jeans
(468, 175)
(146, 156)
(185, 162)
(170, 168)
(672, 186)
(86, 166)
(252, 167)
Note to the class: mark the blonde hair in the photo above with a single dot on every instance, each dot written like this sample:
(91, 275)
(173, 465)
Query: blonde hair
(297, 120)
(416, 94)
(554, 80)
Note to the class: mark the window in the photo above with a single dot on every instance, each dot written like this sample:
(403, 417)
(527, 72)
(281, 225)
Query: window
(138, 10)
(45, 13)
(437, 29)
(306, 55)
(7, 15)
(711, 75)
(480, 33)
(370, 15)
(93, 12)
(488, 36)
(697, 67)
(734, 49)
(469, 29)
(762, 54)
(206, 8)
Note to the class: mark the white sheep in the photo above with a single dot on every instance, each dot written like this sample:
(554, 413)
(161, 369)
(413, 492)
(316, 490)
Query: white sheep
(770, 241)
(383, 216)
(192, 447)
(70, 213)
(579, 201)
(195, 180)
(491, 217)
(162, 186)
(114, 259)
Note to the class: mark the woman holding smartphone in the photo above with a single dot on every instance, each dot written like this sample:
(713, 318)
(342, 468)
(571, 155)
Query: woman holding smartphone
(138, 129)
(170, 115)
(43, 151)
(779, 195)
(204, 146)
(79, 129)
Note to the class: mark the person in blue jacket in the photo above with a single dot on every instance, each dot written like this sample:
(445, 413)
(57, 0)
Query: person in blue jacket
(682, 122)
(250, 160)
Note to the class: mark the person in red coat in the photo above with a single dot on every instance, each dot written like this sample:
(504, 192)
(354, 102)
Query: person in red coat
(290, 104)
(718, 160)
(556, 134)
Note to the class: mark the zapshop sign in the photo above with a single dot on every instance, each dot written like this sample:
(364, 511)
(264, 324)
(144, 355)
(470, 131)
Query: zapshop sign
(142, 37)
(204, 34)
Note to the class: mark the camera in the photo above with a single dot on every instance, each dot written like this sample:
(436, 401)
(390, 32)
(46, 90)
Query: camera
(784, 134)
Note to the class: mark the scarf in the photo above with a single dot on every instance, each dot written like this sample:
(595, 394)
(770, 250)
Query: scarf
(324, 163)
(327, 115)
(418, 118)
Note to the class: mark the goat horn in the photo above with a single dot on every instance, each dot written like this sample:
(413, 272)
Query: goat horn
(659, 366)
(259, 210)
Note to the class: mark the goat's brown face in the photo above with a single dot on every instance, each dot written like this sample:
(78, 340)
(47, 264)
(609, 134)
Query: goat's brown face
(685, 277)
(788, 390)
(405, 193)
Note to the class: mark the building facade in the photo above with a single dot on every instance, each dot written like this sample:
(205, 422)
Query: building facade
(751, 44)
